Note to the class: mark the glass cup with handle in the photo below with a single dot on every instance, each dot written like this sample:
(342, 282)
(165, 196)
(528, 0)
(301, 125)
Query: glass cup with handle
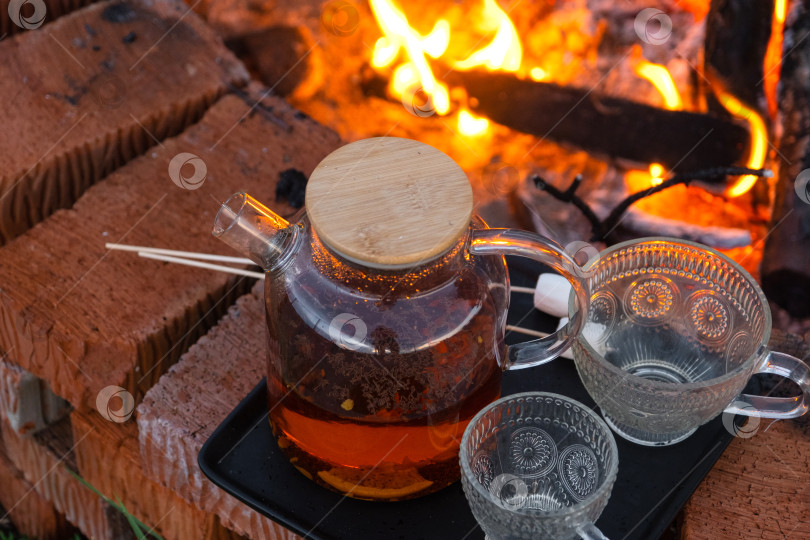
(674, 331)
(538, 465)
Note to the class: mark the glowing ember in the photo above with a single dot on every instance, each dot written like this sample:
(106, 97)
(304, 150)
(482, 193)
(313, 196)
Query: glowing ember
(538, 74)
(698, 7)
(471, 125)
(662, 80)
(656, 173)
(759, 140)
(640, 180)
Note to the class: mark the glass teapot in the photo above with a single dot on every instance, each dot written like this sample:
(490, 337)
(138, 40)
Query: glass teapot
(386, 303)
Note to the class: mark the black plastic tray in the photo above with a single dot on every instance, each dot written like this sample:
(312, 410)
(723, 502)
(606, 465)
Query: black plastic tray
(242, 457)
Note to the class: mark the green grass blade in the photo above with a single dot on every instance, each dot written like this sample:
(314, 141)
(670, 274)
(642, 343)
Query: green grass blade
(138, 527)
(133, 521)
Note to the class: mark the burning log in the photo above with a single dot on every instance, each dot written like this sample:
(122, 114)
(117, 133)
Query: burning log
(785, 266)
(605, 125)
(738, 58)
(737, 34)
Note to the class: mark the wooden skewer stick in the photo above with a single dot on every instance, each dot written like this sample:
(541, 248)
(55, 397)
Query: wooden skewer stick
(527, 290)
(172, 253)
(224, 258)
(198, 264)
(180, 254)
(184, 257)
(527, 331)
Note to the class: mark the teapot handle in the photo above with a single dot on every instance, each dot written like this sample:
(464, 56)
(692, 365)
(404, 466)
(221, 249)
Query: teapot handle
(543, 250)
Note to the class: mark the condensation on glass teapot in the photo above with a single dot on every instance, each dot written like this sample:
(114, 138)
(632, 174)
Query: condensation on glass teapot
(386, 304)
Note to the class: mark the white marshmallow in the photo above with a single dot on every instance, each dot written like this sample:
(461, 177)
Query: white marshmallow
(551, 294)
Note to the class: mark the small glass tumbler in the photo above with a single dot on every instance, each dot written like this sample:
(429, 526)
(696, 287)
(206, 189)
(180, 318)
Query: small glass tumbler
(538, 465)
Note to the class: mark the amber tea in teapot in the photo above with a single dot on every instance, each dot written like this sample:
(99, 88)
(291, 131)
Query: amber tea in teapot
(388, 411)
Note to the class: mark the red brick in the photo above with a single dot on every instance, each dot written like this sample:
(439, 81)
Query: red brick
(179, 414)
(47, 472)
(81, 318)
(82, 94)
(31, 514)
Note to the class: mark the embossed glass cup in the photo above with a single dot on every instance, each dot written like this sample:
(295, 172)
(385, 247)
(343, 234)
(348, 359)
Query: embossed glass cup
(538, 465)
(673, 333)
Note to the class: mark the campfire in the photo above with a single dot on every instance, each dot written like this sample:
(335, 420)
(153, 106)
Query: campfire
(620, 97)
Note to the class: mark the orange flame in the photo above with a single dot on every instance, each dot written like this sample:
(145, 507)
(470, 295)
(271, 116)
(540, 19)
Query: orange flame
(756, 125)
(759, 140)
(414, 73)
(504, 52)
(662, 80)
(408, 53)
(773, 55)
(640, 180)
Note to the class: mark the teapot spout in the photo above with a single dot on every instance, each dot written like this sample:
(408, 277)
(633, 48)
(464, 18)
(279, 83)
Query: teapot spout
(252, 229)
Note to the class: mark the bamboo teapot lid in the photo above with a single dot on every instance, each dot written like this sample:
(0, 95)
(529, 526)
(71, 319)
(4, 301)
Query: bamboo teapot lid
(388, 202)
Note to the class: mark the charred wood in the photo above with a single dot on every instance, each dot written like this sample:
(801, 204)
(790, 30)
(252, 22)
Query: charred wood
(785, 265)
(604, 125)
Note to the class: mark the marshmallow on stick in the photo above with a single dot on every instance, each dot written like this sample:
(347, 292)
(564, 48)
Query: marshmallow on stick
(551, 295)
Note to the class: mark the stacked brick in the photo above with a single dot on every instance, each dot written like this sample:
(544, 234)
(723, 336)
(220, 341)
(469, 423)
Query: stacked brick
(117, 91)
